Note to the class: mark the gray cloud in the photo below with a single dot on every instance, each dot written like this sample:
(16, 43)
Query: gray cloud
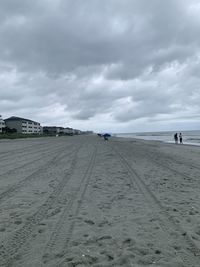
(99, 64)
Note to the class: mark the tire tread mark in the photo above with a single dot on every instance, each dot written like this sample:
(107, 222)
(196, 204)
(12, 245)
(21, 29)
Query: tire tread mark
(14, 150)
(10, 247)
(8, 192)
(153, 201)
(22, 159)
(173, 160)
(27, 163)
(77, 200)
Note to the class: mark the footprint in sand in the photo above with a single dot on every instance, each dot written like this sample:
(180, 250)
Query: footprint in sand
(193, 212)
(90, 222)
(41, 230)
(197, 230)
(103, 223)
(105, 237)
(18, 222)
(107, 254)
(129, 242)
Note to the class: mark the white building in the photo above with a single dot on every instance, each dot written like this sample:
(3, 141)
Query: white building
(22, 125)
(77, 131)
(2, 124)
(52, 130)
(68, 131)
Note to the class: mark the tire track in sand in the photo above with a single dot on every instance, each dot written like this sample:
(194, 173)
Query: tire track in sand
(10, 247)
(29, 162)
(14, 188)
(167, 221)
(63, 231)
(22, 157)
(167, 159)
(16, 151)
(25, 151)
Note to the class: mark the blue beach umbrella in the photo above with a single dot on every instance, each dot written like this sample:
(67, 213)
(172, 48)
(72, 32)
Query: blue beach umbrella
(107, 135)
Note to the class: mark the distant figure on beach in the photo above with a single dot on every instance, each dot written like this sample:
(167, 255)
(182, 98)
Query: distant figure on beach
(105, 138)
(176, 138)
(180, 138)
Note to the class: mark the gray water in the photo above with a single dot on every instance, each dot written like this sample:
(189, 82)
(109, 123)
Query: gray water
(189, 137)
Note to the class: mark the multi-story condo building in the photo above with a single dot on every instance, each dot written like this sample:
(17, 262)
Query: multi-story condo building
(68, 131)
(52, 130)
(22, 125)
(2, 124)
(76, 131)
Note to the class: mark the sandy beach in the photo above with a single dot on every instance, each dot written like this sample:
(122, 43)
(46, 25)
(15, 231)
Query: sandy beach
(82, 201)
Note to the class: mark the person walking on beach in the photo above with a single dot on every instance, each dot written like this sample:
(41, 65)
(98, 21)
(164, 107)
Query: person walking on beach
(176, 138)
(180, 138)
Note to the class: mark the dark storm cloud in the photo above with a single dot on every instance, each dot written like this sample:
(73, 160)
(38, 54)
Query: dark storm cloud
(71, 34)
(83, 60)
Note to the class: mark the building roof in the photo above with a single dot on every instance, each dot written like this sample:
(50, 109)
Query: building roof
(50, 127)
(13, 118)
(53, 127)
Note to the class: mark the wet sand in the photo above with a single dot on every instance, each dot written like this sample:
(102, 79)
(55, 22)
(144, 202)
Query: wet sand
(82, 201)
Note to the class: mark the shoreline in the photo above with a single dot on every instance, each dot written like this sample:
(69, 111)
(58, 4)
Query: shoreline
(162, 141)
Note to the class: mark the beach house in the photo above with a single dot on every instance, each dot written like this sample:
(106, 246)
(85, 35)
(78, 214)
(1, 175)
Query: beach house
(68, 131)
(22, 125)
(52, 130)
(2, 124)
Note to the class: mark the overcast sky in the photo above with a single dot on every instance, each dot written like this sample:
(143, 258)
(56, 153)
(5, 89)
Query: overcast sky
(102, 65)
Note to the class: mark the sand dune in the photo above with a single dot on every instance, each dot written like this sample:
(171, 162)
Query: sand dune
(82, 201)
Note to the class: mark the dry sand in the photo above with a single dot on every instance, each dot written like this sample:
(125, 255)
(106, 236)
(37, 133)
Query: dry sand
(82, 201)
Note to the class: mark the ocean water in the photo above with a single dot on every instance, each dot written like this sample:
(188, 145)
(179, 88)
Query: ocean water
(189, 137)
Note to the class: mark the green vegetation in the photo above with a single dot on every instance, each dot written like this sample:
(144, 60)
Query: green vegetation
(18, 135)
